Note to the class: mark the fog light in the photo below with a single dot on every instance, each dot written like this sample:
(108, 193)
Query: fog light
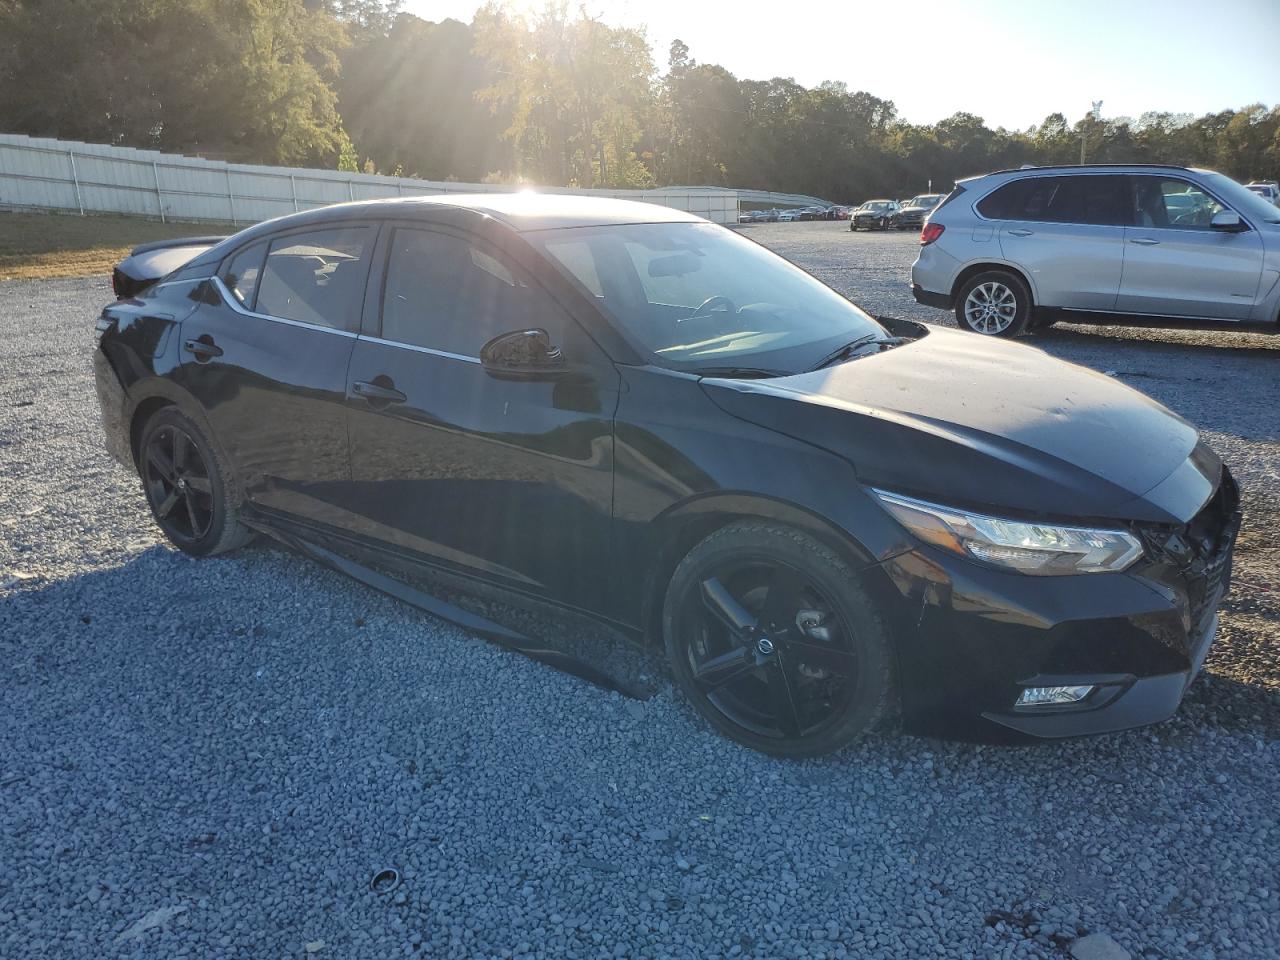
(1050, 696)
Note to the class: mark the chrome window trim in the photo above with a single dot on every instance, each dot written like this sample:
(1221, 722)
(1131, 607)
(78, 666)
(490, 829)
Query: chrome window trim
(232, 301)
(174, 283)
(417, 349)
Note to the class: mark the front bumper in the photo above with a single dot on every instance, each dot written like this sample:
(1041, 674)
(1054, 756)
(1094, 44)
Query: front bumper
(112, 404)
(972, 638)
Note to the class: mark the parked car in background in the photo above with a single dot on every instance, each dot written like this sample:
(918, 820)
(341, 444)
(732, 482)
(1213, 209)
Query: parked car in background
(874, 215)
(911, 215)
(842, 212)
(1011, 250)
(1267, 189)
(625, 411)
(787, 216)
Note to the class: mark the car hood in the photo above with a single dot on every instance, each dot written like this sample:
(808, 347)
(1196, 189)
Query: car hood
(975, 421)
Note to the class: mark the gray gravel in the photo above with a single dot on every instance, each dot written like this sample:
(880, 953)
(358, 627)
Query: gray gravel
(213, 758)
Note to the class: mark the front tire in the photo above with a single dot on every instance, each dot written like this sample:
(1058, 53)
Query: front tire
(775, 643)
(189, 487)
(995, 303)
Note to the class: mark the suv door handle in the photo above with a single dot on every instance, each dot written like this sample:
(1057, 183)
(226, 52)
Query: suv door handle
(1145, 241)
(375, 392)
(1020, 232)
(204, 348)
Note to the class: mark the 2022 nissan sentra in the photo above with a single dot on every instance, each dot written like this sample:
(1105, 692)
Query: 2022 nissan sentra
(620, 409)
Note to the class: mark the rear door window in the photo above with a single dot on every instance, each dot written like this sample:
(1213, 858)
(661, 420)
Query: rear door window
(317, 277)
(1089, 199)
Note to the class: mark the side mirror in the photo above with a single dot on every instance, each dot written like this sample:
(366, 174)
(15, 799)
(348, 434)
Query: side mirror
(1227, 220)
(522, 355)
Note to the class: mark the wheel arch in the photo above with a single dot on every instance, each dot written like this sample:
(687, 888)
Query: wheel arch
(681, 527)
(973, 269)
(152, 397)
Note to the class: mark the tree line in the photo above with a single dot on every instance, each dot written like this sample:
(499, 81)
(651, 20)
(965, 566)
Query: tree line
(557, 99)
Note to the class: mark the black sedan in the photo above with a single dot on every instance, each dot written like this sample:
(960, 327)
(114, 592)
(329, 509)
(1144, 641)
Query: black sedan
(873, 215)
(620, 409)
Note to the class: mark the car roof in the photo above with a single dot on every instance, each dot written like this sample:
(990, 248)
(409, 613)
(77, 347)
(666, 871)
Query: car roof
(525, 210)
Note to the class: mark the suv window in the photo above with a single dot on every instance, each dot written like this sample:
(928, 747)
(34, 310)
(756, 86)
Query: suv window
(1169, 203)
(444, 293)
(1090, 199)
(242, 272)
(317, 277)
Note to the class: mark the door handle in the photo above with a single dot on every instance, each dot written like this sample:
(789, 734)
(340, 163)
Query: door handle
(376, 392)
(204, 348)
(1019, 232)
(1145, 241)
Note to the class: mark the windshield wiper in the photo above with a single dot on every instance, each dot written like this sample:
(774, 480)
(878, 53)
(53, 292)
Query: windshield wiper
(847, 351)
(739, 373)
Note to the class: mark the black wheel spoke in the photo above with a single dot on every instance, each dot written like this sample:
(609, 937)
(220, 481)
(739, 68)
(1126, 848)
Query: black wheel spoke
(727, 667)
(193, 514)
(820, 655)
(161, 463)
(180, 445)
(784, 599)
(165, 507)
(781, 700)
(723, 606)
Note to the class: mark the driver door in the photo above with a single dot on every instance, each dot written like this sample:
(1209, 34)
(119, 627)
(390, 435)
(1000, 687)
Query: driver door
(1176, 264)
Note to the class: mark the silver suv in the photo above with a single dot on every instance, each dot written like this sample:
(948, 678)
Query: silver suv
(1010, 250)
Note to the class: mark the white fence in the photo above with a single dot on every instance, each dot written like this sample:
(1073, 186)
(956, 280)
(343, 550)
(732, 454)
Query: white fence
(96, 178)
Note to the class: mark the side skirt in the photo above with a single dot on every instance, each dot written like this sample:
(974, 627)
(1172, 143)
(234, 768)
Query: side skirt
(490, 630)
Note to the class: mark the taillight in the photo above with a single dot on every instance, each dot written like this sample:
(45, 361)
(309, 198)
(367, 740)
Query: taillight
(930, 232)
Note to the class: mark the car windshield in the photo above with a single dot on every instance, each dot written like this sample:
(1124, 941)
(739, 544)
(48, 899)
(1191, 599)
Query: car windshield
(928, 200)
(1242, 200)
(875, 205)
(696, 296)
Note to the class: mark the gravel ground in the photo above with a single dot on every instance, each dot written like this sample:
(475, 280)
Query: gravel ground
(212, 758)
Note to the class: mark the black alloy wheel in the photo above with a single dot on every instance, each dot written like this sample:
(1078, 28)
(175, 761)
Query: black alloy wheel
(186, 486)
(770, 647)
(178, 485)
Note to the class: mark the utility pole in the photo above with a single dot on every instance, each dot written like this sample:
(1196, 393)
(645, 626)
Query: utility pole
(1095, 114)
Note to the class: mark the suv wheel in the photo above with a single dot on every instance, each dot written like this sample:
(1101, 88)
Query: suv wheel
(995, 303)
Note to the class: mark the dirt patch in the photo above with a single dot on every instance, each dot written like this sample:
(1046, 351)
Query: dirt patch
(44, 245)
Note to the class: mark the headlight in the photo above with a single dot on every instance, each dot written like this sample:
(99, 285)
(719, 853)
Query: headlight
(1033, 548)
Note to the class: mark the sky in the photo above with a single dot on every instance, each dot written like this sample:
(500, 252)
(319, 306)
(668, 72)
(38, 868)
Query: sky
(1011, 62)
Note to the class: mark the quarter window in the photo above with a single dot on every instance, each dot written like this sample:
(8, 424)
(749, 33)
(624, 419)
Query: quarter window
(317, 277)
(1167, 203)
(242, 272)
(445, 293)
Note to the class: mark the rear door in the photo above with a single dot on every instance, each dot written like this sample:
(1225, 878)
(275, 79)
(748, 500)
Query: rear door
(267, 359)
(1176, 264)
(505, 478)
(1067, 233)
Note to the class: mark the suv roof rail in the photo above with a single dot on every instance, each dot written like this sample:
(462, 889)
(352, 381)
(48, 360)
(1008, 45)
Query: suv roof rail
(1090, 166)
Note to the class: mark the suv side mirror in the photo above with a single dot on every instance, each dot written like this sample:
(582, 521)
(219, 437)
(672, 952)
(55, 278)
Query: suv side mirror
(522, 355)
(1227, 220)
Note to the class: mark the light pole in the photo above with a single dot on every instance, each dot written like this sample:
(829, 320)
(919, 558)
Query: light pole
(1094, 114)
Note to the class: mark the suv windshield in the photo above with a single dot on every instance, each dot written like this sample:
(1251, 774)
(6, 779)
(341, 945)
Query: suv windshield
(697, 296)
(928, 200)
(1242, 200)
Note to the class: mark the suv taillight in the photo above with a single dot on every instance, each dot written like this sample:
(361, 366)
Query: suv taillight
(930, 232)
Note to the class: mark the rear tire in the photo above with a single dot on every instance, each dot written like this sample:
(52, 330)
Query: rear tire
(775, 643)
(190, 488)
(994, 303)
